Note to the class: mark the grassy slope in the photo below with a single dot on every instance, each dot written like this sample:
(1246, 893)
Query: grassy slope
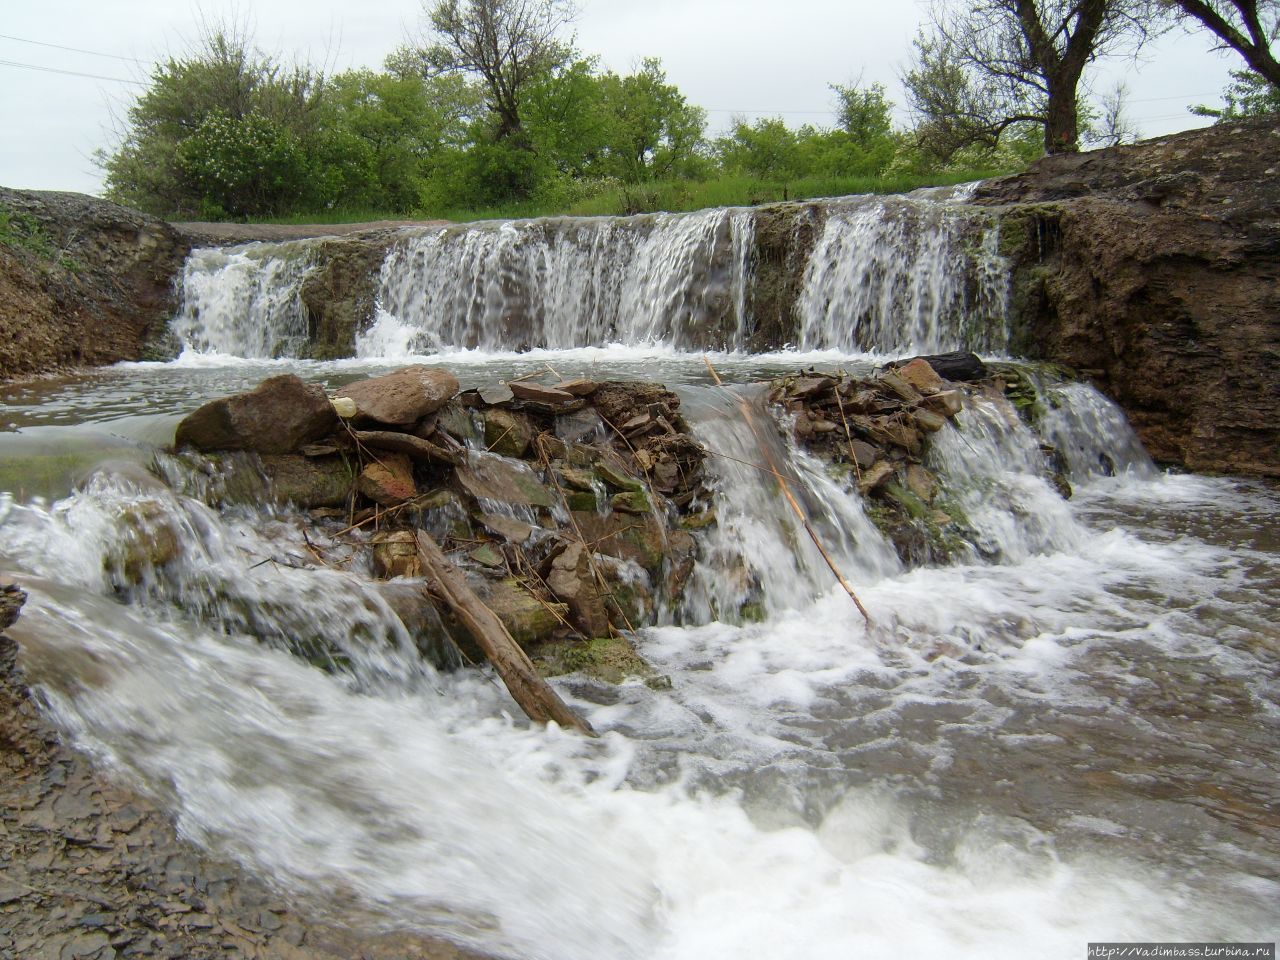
(671, 195)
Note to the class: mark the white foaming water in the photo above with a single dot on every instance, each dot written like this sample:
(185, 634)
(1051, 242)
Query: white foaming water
(1092, 434)
(900, 274)
(413, 795)
(759, 555)
(678, 279)
(1010, 761)
(905, 275)
(991, 464)
(244, 301)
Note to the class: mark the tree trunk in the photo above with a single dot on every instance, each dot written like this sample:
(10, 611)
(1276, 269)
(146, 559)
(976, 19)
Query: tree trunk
(1062, 121)
(535, 696)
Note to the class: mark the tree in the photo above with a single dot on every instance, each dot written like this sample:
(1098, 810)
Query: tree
(767, 149)
(1005, 61)
(864, 113)
(218, 130)
(655, 132)
(1248, 95)
(508, 44)
(1248, 27)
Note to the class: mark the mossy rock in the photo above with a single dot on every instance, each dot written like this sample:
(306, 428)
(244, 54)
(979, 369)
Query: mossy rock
(611, 659)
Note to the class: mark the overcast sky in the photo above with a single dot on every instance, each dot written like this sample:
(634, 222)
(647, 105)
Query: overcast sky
(750, 57)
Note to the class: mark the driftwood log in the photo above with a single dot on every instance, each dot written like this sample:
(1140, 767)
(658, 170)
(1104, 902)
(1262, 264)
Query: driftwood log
(527, 688)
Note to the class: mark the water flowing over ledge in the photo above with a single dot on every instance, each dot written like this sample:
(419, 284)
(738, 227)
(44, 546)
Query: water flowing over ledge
(884, 275)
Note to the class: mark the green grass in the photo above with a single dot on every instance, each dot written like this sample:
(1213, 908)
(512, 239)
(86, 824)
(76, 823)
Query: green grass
(23, 231)
(663, 195)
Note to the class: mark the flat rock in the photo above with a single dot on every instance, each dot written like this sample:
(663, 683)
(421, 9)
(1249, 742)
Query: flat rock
(402, 398)
(579, 387)
(525, 390)
(509, 528)
(280, 415)
(496, 394)
(489, 477)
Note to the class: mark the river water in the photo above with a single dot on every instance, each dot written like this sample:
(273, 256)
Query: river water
(1068, 736)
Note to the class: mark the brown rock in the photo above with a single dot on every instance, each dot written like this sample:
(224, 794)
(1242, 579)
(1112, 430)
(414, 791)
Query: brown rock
(395, 554)
(875, 477)
(946, 403)
(388, 480)
(280, 415)
(579, 388)
(898, 386)
(526, 390)
(11, 600)
(864, 454)
(930, 421)
(402, 398)
(572, 581)
(921, 375)
(921, 482)
(507, 432)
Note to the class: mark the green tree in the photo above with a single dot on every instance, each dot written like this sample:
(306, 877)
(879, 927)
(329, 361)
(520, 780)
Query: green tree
(989, 64)
(508, 44)
(1248, 95)
(224, 89)
(767, 149)
(654, 132)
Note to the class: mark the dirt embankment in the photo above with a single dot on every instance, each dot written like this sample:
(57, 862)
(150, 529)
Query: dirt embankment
(1155, 269)
(83, 282)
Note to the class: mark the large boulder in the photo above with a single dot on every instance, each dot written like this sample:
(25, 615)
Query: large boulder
(402, 398)
(280, 415)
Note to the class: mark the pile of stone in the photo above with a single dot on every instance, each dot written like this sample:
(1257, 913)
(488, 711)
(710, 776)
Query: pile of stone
(560, 501)
(874, 432)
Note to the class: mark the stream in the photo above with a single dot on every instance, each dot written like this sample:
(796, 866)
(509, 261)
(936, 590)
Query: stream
(1071, 734)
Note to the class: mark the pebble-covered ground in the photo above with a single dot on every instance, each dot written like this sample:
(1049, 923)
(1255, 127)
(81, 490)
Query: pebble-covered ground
(90, 870)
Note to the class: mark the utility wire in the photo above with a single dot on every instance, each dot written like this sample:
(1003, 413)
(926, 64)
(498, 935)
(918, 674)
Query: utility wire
(70, 73)
(58, 46)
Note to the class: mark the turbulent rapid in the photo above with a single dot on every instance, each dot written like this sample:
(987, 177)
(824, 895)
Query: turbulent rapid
(1066, 733)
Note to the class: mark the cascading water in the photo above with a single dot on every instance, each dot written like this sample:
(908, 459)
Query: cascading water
(887, 275)
(244, 302)
(677, 279)
(904, 275)
(1066, 734)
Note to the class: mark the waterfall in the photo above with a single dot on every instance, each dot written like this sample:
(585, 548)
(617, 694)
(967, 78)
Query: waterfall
(759, 560)
(895, 274)
(676, 279)
(904, 275)
(244, 301)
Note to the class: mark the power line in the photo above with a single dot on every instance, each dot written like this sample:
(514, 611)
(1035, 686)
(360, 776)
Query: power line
(58, 46)
(70, 73)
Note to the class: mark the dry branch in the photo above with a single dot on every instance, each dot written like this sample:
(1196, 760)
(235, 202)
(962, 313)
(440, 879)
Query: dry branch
(527, 688)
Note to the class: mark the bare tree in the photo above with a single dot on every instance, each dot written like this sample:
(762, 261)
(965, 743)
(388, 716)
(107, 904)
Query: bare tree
(1249, 27)
(507, 43)
(1025, 59)
(1114, 127)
